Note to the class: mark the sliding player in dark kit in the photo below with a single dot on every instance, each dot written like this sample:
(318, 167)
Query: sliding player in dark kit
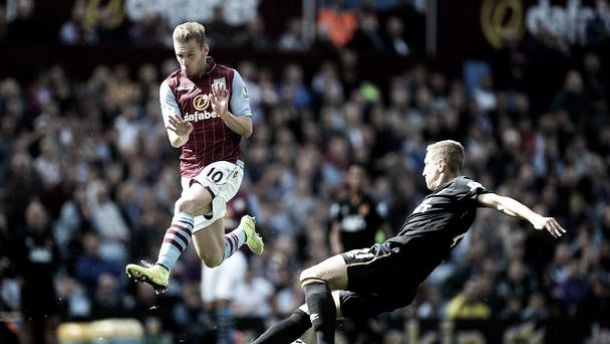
(385, 276)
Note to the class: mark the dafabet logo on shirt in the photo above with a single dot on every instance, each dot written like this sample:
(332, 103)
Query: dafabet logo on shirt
(201, 102)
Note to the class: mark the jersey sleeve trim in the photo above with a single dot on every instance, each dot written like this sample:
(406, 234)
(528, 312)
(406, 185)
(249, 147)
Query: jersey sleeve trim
(240, 100)
(167, 100)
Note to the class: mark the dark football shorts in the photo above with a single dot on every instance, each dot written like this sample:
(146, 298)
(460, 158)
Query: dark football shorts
(379, 280)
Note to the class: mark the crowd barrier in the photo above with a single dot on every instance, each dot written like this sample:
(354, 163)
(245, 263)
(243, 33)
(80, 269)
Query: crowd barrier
(107, 331)
(131, 331)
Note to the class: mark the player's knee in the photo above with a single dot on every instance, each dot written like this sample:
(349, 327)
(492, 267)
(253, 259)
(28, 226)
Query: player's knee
(304, 276)
(187, 205)
(309, 276)
(212, 260)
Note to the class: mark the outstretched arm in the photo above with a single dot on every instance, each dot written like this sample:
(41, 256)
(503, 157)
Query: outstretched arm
(512, 207)
(178, 130)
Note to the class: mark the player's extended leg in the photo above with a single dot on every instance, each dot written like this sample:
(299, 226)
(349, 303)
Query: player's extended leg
(205, 194)
(175, 240)
(209, 243)
(213, 246)
(317, 282)
(348, 304)
(286, 330)
(293, 327)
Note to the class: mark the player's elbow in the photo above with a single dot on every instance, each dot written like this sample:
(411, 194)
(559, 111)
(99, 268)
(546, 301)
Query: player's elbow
(491, 200)
(247, 131)
(175, 143)
(505, 205)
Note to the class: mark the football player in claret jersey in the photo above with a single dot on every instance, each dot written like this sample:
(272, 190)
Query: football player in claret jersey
(206, 111)
(385, 276)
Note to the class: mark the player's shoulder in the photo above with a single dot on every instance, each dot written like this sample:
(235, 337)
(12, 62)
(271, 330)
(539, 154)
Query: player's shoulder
(463, 180)
(176, 74)
(469, 186)
(223, 69)
(464, 183)
(174, 78)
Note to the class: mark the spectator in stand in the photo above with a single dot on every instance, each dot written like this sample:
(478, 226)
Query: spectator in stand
(23, 183)
(326, 86)
(593, 85)
(253, 36)
(597, 304)
(150, 30)
(108, 222)
(412, 17)
(91, 266)
(484, 94)
(292, 39)
(37, 260)
(519, 281)
(323, 42)
(355, 217)
(22, 29)
(340, 23)
(597, 27)
(536, 309)
(469, 303)
(108, 301)
(368, 38)
(394, 37)
(292, 89)
(572, 290)
(513, 310)
(108, 30)
(253, 297)
(223, 36)
(571, 98)
(73, 31)
(9, 287)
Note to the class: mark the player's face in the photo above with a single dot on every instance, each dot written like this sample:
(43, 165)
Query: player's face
(191, 56)
(432, 172)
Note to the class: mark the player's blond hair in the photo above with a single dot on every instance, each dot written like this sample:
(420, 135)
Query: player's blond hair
(452, 152)
(188, 31)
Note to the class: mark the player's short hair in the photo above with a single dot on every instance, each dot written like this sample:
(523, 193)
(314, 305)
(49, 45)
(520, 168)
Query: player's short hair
(449, 150)
(189, 31)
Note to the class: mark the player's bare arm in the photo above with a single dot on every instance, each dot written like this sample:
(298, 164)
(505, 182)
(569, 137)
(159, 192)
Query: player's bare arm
(220, 103)
(512, 207)
(178, 131)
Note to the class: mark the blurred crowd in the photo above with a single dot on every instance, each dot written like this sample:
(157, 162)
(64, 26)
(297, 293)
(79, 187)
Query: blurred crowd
(363, 27)
(88, 181)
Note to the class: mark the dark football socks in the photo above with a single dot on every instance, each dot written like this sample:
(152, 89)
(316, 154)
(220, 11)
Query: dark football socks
(322, 311)
(286, 330)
